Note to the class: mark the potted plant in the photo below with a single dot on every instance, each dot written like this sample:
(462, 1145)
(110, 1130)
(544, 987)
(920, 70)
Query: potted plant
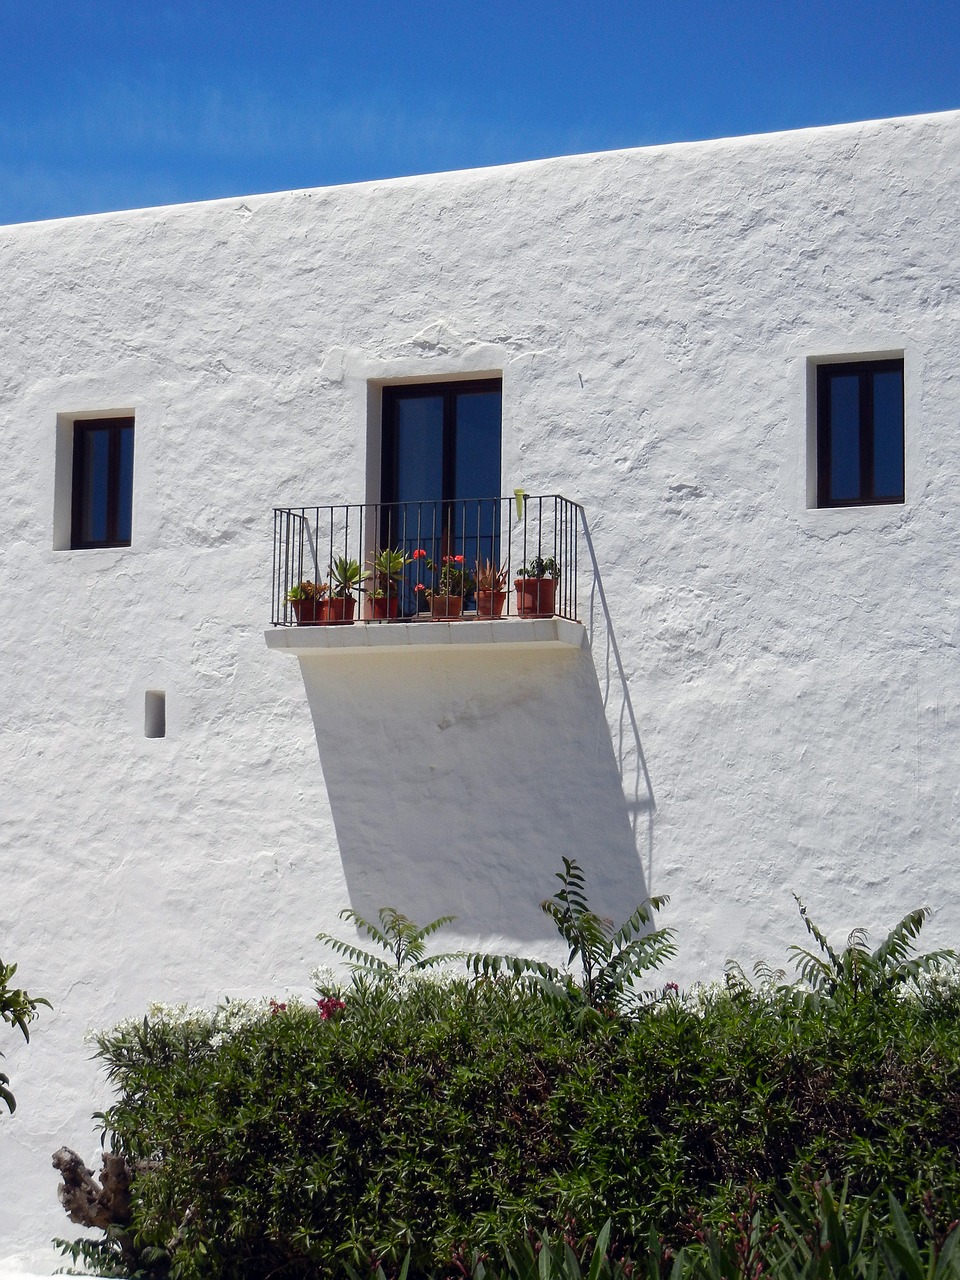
(344, 577)
(491, 589)
(536, 588)
(453, 582)
(421, 589)
(384, 575)
(309, 600)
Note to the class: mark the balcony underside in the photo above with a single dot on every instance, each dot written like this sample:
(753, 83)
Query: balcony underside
(366, 637)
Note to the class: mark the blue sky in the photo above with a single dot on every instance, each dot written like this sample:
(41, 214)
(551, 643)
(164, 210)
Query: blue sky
(107, 105)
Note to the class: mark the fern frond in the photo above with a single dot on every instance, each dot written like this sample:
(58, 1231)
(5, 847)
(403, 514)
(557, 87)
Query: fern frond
(431, 962)
(363, 925)
(431, 928)
(635, 923)
(356, 957)
(648, 952)
(813, 969)
(820, 937)
(491, 966)
(397, 935)
(899, 941)
(767, 975)
(857, 971)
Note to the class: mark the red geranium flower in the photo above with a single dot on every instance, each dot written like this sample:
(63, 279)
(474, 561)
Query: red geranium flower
(330, 1005)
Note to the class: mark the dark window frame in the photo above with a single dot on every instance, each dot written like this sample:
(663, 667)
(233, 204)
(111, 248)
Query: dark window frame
(118, 503)
(864, 370)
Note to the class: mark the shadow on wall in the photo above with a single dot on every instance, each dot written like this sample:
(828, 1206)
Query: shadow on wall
(618, 707)
(459, 779)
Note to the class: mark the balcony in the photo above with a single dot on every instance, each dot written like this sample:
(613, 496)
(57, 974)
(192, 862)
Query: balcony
(425, 575)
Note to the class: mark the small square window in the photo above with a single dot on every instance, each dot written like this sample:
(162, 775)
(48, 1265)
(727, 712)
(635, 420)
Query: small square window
(860, 433)
(102, 504)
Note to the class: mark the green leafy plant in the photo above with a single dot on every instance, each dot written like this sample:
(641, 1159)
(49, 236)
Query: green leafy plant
(937, 1259)
(544, 1257)
(385, 571)
(445, 1126)
(540, 567)
(403, 944)
(345, 576)
(611, 959)
(490, 577)
(538, 1256)
(17, 1009)
(856, 971)
(818, 1234)
(452, 577)
(307, 590)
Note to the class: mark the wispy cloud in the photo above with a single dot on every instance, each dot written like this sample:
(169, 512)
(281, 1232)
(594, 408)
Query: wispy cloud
(162, 116)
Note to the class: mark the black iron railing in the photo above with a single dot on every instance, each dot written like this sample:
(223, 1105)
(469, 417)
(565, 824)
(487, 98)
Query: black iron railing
(410, 561)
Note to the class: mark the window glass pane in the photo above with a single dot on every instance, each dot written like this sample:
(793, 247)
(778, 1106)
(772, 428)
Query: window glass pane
(95, 464)
(477, 474)
(478, 445)
(888, 434)
(418, 479)
(419, 448)
(124, 484)
(844, 437)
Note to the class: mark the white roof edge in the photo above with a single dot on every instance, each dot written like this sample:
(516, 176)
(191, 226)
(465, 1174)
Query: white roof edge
(437, 177)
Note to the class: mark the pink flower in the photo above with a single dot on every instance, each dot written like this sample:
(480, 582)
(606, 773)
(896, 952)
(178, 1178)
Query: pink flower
(458, 559)
(329, 1005)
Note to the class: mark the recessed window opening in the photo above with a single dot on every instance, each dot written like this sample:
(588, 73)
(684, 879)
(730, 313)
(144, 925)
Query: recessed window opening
(155, 714)
(440, 476)
(102, 505)
(860, 450)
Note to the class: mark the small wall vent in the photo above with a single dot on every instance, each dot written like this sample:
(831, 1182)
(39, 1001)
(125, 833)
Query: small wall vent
(155, 714)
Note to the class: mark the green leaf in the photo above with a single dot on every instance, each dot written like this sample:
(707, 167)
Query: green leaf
(599, 1252)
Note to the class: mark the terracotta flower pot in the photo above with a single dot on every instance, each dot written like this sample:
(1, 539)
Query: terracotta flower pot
(490, 604)
(536, 597)
(310, 613)
(445, 607)
(340, 610)
(381, 608)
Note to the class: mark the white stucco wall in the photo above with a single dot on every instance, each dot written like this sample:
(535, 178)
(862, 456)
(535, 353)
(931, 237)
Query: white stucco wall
(790, 717)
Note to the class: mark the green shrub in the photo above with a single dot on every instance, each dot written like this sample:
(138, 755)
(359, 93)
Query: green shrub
(436, 1117)
(488, 1125)
(18, 1009)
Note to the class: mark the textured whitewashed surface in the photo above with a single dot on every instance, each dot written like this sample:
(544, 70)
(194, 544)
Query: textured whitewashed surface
(792, 723)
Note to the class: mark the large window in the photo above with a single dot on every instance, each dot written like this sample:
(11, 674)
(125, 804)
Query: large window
(102, 505)
(860, 433)
(441, 467)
